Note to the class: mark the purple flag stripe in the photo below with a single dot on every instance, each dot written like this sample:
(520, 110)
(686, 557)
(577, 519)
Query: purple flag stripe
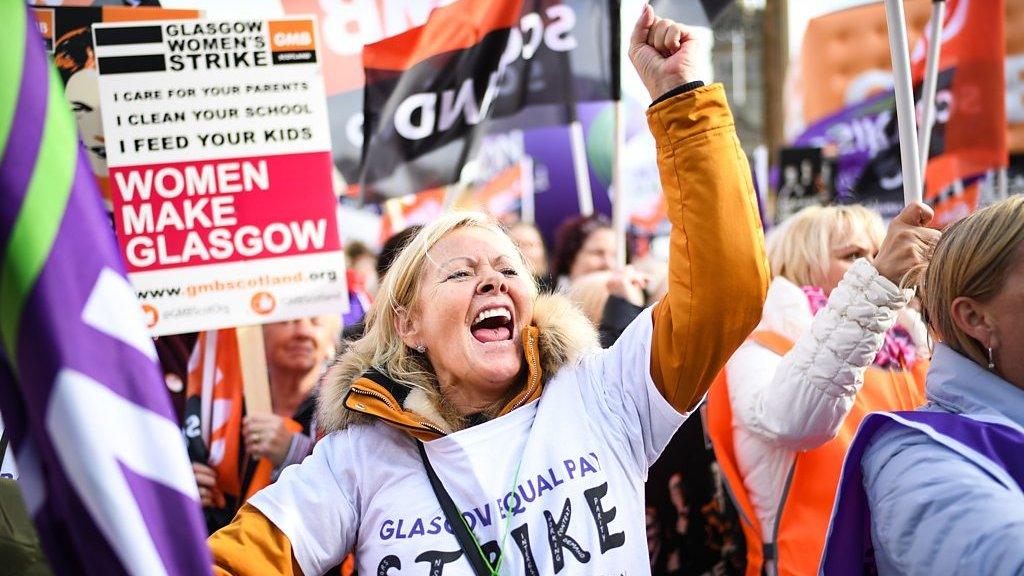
(848, 541)
(106, 476)
(16, 168)
(19, 157)
(159, 501)
(52, 321)
(72, 542)
(52, 312)
(15, 413)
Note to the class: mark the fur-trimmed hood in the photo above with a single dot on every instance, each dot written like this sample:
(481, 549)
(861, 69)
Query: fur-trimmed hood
(352, 393)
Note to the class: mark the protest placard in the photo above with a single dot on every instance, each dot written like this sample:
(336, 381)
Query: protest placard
(220, 167)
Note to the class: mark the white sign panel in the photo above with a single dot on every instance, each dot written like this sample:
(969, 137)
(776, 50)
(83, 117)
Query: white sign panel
(220, 168)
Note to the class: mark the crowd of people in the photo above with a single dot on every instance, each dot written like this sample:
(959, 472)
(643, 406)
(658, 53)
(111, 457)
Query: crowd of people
(746, 485)
(486, 373)
(837, 396)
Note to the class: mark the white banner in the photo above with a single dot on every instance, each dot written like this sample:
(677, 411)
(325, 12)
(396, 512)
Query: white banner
(218, 145)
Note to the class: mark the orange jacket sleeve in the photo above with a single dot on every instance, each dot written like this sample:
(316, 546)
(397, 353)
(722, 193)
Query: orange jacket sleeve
(251, 544)
(718, 273)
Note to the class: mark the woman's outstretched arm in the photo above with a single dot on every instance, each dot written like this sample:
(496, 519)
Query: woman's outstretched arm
(718, 273)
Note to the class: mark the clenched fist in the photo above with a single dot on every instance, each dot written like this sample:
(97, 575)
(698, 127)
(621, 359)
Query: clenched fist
(907, 244)
(667, 54)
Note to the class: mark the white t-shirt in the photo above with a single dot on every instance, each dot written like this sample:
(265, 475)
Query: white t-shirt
(577, 508)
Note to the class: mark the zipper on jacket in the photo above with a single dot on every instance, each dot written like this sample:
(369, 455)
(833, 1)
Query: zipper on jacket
(390, 405)
(772, 566)
(376, 395)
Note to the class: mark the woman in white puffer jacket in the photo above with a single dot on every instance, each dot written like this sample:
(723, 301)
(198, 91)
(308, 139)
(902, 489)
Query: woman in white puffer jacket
(794, 393)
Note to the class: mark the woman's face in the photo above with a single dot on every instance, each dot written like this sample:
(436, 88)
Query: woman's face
(596, 254)
(532, 246)
(1006, 309)
(301, 345)
(473, 303)
(843, 253)
(83, 93)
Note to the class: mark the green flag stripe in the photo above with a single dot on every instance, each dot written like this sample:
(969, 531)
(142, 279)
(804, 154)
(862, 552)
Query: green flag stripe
(12, 59)
(40, 216)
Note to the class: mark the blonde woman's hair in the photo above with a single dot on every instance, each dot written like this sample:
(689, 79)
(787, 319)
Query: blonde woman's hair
(800, 248)
(590, 293)
(971, 259)
(381, 347)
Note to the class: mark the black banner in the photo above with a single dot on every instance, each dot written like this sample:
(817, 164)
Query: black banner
(881, 182)
(432, 112)
(126, 64)
(423, 123)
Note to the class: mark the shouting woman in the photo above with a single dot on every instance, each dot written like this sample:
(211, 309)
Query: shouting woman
(476, 428)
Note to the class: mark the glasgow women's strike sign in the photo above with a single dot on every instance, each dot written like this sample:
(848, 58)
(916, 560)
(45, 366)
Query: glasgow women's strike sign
(218, 144)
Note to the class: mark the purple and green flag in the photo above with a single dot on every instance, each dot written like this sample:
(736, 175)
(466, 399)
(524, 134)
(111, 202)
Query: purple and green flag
(102, 463)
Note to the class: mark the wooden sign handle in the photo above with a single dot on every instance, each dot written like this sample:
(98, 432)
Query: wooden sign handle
(253, 360)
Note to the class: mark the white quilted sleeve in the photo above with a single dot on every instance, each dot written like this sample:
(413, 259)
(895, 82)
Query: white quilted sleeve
(798, 401)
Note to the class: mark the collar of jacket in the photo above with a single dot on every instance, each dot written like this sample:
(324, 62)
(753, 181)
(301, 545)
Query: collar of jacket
(378, 396)
(559, 336)
(960, 385)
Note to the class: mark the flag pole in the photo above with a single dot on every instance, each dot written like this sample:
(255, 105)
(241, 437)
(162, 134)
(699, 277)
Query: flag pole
(527, 208)
(579, 165)
(1002, 184)
(897, 24)
(931, 80)
(253, 360)
(577, 143)
(619, 215)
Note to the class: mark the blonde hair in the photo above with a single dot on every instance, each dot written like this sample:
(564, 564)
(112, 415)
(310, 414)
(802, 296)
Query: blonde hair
(799, 249)
(381, 347)
(971, 259)
(590, 293)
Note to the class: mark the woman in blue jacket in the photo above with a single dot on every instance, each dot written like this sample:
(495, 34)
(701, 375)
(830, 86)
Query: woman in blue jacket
(939, 491)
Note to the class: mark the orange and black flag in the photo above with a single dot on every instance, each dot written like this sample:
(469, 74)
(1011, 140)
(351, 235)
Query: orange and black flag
(556, 56)
(213, 412)
(214, 409)
(969, 137)
(432, 92)
(427, 93)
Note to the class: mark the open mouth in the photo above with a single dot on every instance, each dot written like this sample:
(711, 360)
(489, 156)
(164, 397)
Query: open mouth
(492, 325)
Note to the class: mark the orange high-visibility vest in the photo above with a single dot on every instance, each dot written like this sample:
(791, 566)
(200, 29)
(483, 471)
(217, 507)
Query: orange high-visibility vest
(811, 486)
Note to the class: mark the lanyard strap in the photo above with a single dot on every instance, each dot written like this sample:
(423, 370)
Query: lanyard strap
(470, 546)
